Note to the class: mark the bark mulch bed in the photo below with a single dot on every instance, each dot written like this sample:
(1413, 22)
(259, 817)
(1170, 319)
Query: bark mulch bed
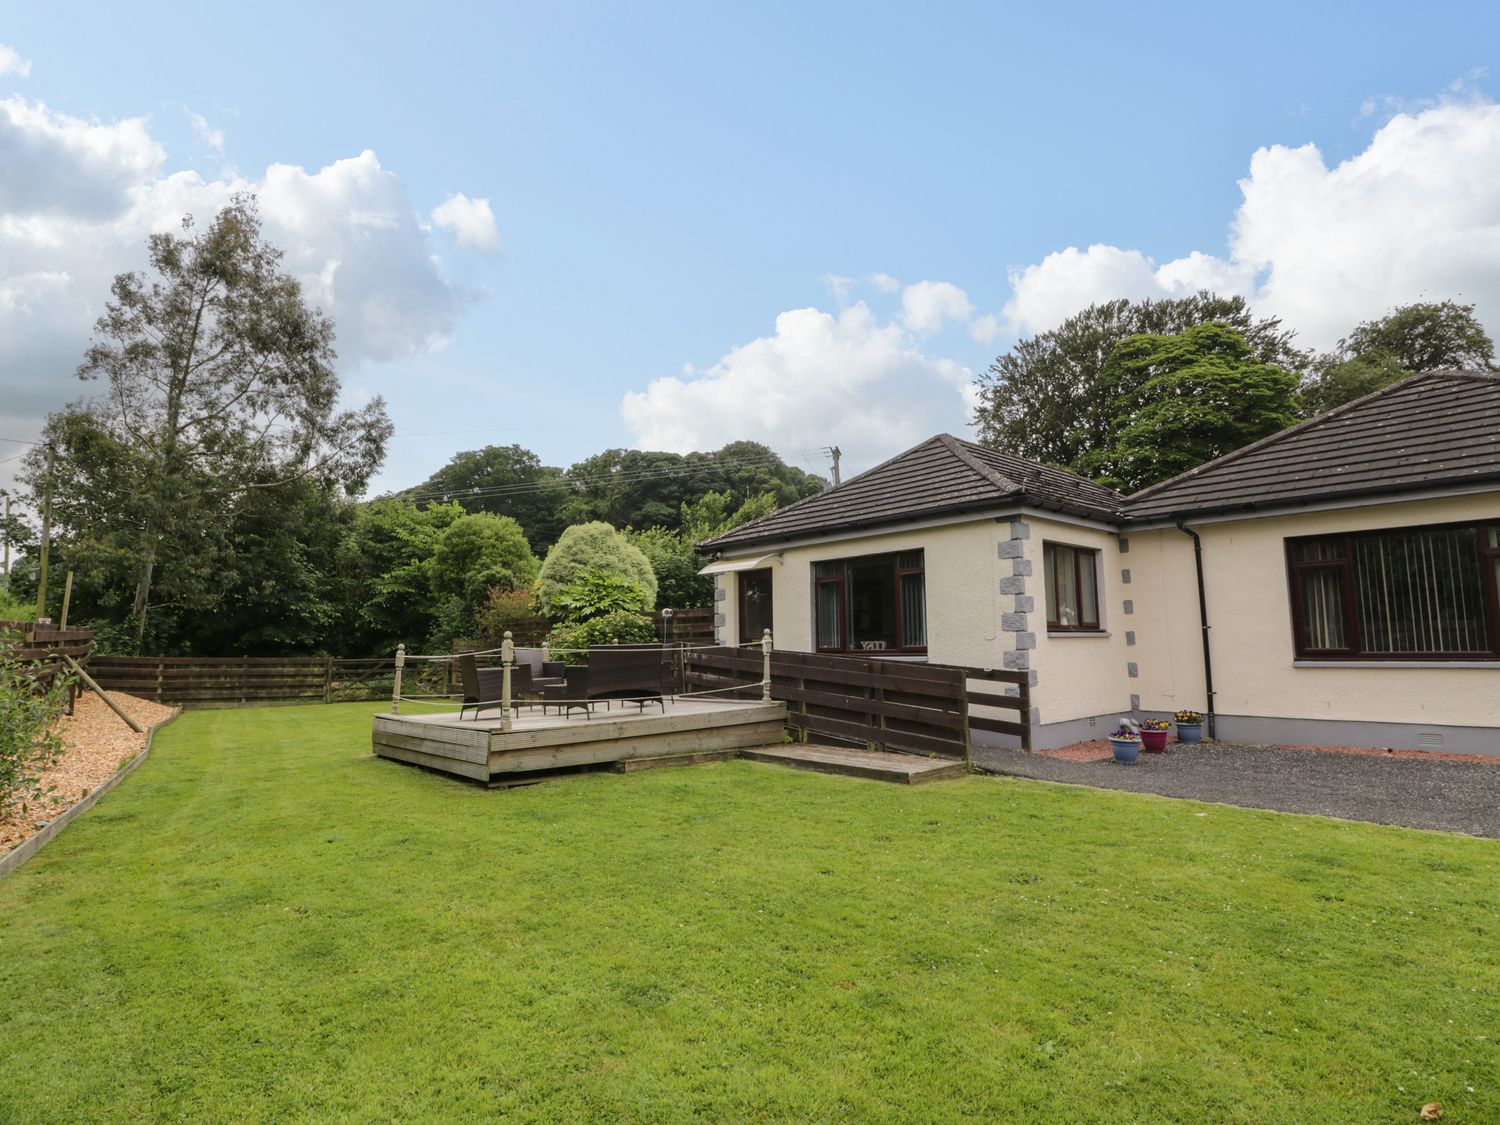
(97, 743)
(1413, 788)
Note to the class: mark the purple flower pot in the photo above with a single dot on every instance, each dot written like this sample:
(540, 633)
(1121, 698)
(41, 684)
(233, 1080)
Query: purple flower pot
(1154, 741)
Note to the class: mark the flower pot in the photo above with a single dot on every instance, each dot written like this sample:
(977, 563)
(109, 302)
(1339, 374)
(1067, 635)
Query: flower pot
(1189, 732)
(1154, 741)
(1126, 750)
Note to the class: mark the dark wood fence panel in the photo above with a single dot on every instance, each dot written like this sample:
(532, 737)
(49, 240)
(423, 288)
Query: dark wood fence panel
(894, 705)
(685, 626)
(269, 679)
(45, 646)
(880, 703)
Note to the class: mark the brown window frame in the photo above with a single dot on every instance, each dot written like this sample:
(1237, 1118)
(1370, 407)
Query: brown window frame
(841, 580)
(1489, 558)
(1054, 597)
(760, 571)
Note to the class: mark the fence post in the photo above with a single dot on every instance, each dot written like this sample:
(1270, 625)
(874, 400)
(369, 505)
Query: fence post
(328, 680)
(765, 675)
(507, 659)
(396, 687)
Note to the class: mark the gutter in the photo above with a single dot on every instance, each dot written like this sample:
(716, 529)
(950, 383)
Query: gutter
(1208, 662)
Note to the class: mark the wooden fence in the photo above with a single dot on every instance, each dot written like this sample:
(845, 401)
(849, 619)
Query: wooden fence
(210, 680)
(685, 626)
(884, 704)
(46, 645)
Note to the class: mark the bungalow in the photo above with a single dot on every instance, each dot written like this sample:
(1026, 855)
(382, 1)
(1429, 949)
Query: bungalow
(1335, 583)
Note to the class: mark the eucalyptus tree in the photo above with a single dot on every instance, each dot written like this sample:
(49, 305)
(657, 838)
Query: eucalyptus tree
(218, 383)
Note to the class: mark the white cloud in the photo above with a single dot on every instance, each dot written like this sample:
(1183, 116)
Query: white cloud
(11, 62)
(470, 220)
(927, 305)
(884, 283)
(849, 379)
(839, 287)
(51, 163)
(79, 198)
(213, 138)
(1414, 216)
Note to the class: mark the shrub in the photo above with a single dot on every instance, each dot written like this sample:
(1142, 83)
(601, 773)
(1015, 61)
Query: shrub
(597, 593)
(29, 742)
(593, 546)
(513, 610)
(676, 565)
(480, 551)
(618, 628)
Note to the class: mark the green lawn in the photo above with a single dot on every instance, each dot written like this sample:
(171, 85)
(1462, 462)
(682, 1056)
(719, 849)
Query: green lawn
(266, 923)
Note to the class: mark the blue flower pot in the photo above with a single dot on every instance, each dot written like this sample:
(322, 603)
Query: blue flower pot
(1127, 750)
(1189, 732)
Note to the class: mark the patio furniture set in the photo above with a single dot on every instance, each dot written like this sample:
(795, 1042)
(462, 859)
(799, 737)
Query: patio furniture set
(636, 674)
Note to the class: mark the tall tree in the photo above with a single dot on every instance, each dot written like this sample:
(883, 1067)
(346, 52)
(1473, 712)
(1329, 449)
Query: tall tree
(1426, 336)
(385, 575)
(506, 480)
(1190, 397)
(1051, 398)
(220, 383)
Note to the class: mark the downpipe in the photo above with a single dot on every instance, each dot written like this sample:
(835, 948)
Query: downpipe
(1208, 664)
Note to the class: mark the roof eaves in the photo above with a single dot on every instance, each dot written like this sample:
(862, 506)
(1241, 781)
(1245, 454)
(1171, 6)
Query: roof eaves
(1252, 508)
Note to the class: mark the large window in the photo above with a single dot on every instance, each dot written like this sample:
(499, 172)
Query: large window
(871, 604)
(755, 604)
(1413, 592)
(1072, 576)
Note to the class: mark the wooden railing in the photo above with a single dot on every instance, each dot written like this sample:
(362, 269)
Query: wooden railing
(884, 704)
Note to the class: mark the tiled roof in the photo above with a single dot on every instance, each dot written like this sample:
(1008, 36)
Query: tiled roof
(942, 476)
(1434, 430)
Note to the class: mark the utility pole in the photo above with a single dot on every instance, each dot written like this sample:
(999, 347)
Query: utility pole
(834, 453)
(41, 574)
(5, 572)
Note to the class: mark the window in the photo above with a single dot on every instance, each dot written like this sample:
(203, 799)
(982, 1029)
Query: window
(1072, 575)
(755, 604)
(870, 604)
(1412, 592)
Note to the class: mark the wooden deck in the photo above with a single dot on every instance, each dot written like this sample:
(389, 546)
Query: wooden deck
(536, 744)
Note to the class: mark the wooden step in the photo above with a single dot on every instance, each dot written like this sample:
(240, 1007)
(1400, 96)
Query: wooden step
(881, 765)
(632, 765)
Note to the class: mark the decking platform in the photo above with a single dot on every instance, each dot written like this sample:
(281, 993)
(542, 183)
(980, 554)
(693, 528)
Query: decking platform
(536, 744)
(879, 765)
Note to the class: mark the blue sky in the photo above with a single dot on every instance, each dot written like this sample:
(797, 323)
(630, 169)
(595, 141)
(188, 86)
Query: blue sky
(666, 182)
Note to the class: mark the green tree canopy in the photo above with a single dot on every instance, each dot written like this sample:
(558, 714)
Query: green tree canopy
(1052, 398)
(385, 570)
(641, 488)
(1189, 398)
(1425, 336)
(220, 387)
(506, 480)
(480, 550)
(593, 547)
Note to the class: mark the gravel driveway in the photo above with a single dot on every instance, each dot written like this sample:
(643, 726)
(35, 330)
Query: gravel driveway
(1447, 796)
